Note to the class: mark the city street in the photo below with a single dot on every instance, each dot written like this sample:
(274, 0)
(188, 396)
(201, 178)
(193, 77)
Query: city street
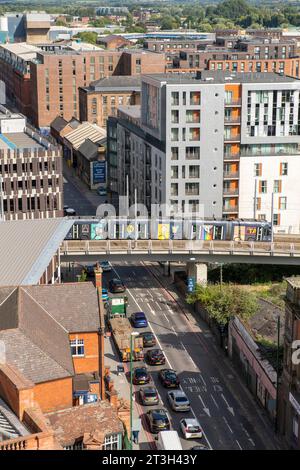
(229, 417)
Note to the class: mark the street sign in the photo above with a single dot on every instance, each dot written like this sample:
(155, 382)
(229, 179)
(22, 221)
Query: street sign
(191, 282)
(98, 172)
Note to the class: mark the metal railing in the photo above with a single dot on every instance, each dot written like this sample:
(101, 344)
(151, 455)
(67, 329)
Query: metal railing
(232, 120)
(231, 209)
(232, 156)
(233, 102)
(231, 174)
(230, 192)
(232, 138)
(236, 247)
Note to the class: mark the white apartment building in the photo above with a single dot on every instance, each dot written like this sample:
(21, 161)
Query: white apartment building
(220, 144)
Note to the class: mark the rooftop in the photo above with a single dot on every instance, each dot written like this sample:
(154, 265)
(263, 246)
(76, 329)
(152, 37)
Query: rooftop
(84, 131)
(91, 421)
(115, 83)
(74, 306)
(10, 426)
(25, 258)
(216, 77)
(133, 111)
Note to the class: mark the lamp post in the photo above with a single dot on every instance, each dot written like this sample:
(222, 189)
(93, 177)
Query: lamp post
(134, 333)
(277, 372)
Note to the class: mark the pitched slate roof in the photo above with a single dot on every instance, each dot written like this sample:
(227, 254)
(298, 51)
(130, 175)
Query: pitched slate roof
(89, 149)
(29, 359)
(72, 305)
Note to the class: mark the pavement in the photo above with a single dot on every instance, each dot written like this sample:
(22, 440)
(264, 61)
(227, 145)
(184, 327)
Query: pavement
(227, 412)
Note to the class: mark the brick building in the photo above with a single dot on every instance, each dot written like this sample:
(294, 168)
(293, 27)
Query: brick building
(113, 41)
(103, 97)
(31, 179)
(55, 353)
(43, 81)
(289, 398)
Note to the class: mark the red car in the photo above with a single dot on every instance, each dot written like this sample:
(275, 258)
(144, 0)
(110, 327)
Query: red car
(140, 376)
(155, 357)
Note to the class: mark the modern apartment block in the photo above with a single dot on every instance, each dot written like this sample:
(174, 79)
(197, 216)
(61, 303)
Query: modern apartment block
(30, 171)
(103, 97)
(289, 397)
(42, 81)
(226, 142)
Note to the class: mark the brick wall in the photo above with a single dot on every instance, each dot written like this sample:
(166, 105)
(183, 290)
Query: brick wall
(55, 395)
(90, 361)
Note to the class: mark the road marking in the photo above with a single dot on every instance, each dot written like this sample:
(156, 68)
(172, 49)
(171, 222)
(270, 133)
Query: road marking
(252, 442)
(239, 444)
(166, 317)
(158, 342)
(204, 383)
(158, 306)
(152, 311)
(213, 399)
(205, 409)
(226, 422)
(174, 331)
(229, 407)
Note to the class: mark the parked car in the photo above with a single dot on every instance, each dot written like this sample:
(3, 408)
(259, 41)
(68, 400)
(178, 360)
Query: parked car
(139, 320)
(69, 212)
(149, 339)
(158, 420)
(90, 270)
(105, 266)
(178, 401)
(105, 296)
(141, 376)
(102, 191)
(116, 285)
(149, 396)
(168, 378)
(190, 428)
(155, 357)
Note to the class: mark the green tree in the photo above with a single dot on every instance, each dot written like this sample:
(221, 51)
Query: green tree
(87, 36)
(226, 302)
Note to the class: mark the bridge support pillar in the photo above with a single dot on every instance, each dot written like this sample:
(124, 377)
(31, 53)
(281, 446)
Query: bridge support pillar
(197, 271)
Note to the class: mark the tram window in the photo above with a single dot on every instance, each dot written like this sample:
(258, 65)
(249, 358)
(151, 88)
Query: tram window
(218, 232)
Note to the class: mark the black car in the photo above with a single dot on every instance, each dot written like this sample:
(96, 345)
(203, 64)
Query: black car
(116, 285)
(140, 376)
(155, 357)
(90, 271)
(148, 339)
(158, 420)
(168, 378)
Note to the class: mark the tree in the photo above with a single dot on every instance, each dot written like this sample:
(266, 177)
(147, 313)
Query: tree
(226, 302)
(233, 9)
(87, 36)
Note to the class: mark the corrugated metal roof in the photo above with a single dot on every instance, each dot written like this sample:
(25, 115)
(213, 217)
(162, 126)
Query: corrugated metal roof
(27, 247)
(83, 132)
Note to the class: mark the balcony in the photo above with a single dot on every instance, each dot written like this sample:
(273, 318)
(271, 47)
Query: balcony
(233, 103)
(230, 210)
(232, 120)
(232, 138)
(230, 192)
(232, 156)
(256, 153)
(231, 174)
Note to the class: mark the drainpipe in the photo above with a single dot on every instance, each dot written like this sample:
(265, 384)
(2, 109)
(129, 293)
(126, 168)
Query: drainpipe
(98, 282)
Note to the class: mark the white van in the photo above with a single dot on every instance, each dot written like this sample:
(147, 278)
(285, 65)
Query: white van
(168, 440)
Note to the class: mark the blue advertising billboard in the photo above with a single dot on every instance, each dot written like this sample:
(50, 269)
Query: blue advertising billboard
(99, 172)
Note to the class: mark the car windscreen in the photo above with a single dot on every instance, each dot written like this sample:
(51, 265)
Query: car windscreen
(181, 399)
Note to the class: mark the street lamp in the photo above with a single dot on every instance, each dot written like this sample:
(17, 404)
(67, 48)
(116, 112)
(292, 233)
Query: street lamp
(134, 333)
(277, 372)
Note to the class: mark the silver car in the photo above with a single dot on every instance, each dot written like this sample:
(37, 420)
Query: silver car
(149, 396)
(178, 401)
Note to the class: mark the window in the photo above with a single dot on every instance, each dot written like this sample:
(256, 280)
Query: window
(174, 153)
(174, 134)
(283, 169)
(277, 186)
(282, 203)
(257, 169)
(111, 442)
(276, 219)
(194, 133)
(192, 153)
(195, 98)
(175, 98)
(175, 116)
(258, 203)
(192, 116)
(263, 187)
(77, 347)
(174, 172)
(192, 189)
(194, 171)
(174, 189)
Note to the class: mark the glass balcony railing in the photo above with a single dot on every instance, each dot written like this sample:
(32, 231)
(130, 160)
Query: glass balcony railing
(232, 138)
